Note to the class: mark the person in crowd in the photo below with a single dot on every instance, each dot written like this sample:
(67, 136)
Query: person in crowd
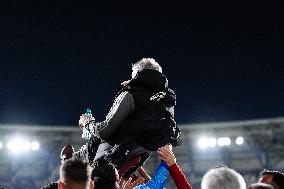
(166, 154)
(168, 165)
(75, 174)
(67, 152)
(105, 176)
(139, 174)
(222, 178)
(275, 178)
(159, 179)
(142, 115)
(260, 186)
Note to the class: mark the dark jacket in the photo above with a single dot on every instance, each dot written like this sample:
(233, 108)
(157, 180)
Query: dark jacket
(151, 123)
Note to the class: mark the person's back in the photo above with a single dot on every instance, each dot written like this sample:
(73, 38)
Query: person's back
(142, 116)
(144, 107)
(151, 123)
(222, 178)
(104, 175)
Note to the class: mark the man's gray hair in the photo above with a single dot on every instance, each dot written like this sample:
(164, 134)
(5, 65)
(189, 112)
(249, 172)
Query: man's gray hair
(145, 63)
(223, 178)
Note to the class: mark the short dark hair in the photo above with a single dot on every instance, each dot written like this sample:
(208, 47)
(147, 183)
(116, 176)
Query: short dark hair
(277, 179)
(74, 170)
(103, 174)
(260, 186)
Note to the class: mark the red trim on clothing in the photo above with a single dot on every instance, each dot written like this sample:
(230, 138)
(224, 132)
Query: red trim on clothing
(179, 178)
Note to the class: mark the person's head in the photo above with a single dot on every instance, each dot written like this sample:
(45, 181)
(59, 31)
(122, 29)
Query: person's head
(260, 186)
(74, 174)
(222, 178)
(104, 175)
(145, 63)
(66, 152)
(275, 178)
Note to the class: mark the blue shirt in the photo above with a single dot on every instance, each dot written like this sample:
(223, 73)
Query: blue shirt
(159, 179)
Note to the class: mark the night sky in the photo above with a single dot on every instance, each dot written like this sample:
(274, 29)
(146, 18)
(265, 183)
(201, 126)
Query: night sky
(225, 61)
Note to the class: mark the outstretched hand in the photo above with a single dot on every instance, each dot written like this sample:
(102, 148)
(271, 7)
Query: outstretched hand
(84, 119)
(125, 82)
(166, 154)
(131, 184)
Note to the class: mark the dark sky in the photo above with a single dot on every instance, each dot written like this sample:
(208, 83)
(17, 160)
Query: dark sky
(225, 61)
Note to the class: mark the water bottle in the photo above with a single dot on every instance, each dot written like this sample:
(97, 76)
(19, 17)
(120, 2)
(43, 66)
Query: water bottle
(89, 112)
(86, 133)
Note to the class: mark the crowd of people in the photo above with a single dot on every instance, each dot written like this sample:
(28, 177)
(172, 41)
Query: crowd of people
(76, 173)
(140, 121)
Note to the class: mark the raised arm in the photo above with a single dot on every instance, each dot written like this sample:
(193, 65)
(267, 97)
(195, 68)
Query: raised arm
(159, 178)
(166, 154)
(122, 106)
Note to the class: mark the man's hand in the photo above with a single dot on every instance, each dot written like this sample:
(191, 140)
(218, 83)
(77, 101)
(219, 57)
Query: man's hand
(84, 119)
(166, 154)
(125, 82)
(143, 174)
(129, 184)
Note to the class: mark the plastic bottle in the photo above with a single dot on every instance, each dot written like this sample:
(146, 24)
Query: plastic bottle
(86, 133)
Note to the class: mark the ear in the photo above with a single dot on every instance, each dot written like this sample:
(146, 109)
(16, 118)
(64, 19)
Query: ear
(60, 185)
(91, 185)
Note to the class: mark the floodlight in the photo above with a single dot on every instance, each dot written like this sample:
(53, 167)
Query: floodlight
(0, 144)
(221, 142)
(227, 141)
(203, 142)
(26, 145)
(15, 145)
(239, 140)
(18, 145)
(212, 142)
(224, 141)
(34, 145)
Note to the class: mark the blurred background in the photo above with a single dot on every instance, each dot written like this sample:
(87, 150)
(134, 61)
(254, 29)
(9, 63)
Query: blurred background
(224, 60)
(30, 154)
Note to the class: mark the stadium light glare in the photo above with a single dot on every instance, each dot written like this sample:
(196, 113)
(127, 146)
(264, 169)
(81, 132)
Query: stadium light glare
(26, 145)
(239, 140)
(224, 141)
(221, 142)
(203, 142)
(35, 145)
(227, 141)
(18, 145)
(1, 145)
(212, 142)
